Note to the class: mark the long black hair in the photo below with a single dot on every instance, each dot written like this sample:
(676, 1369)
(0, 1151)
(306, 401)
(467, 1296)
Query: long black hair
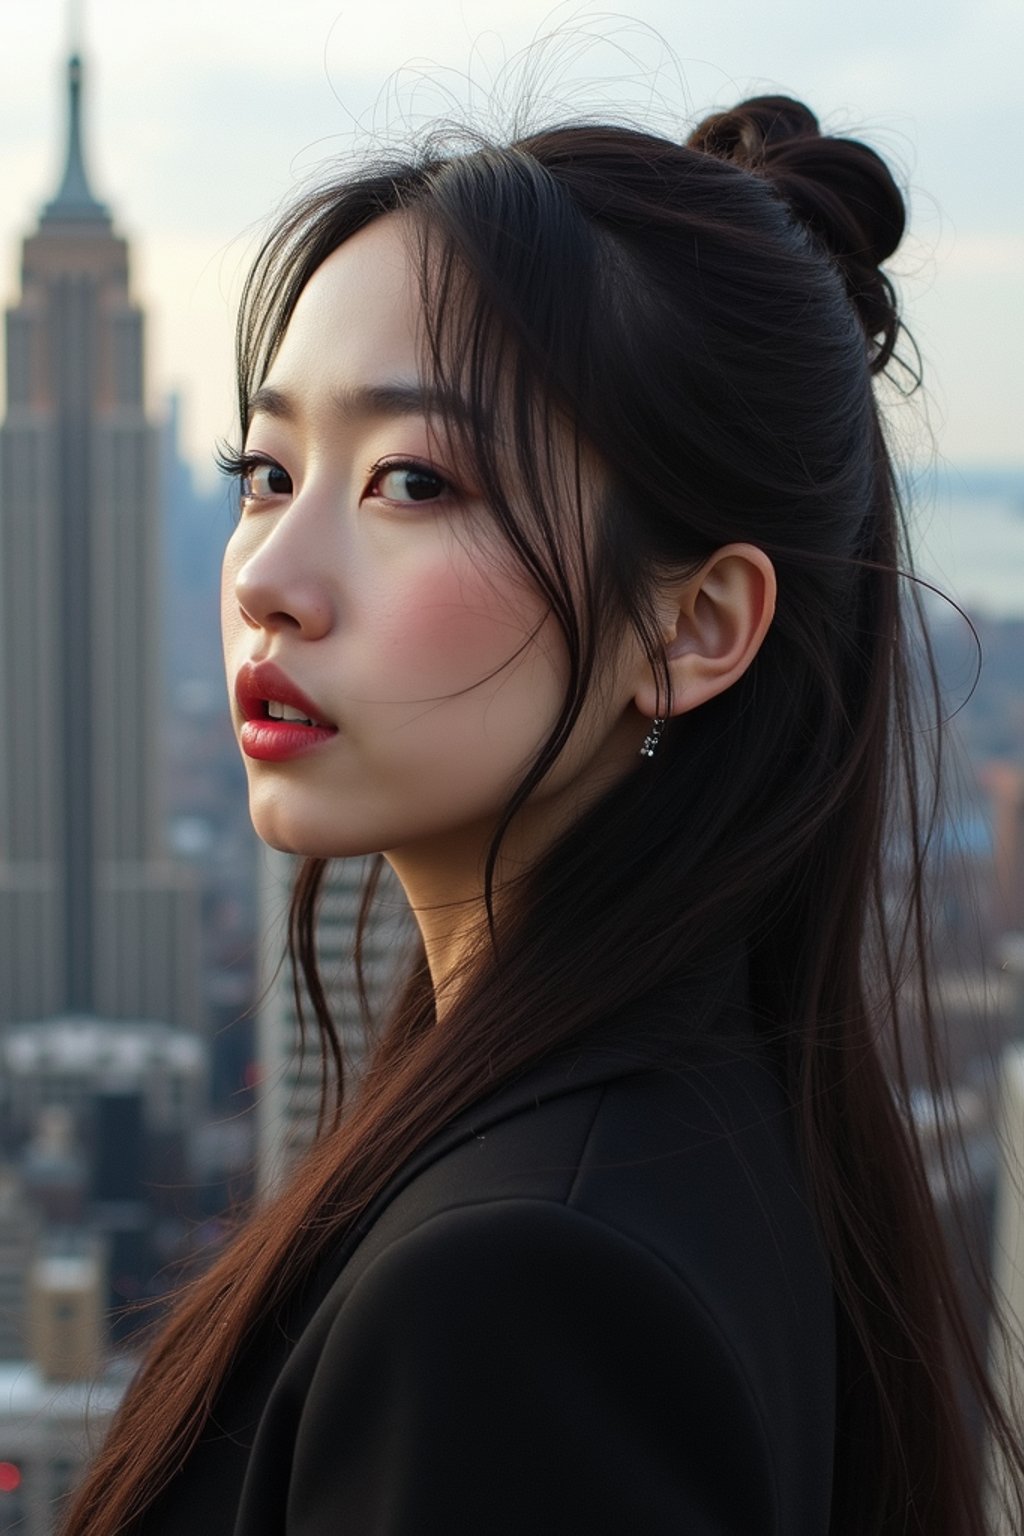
(707, 319)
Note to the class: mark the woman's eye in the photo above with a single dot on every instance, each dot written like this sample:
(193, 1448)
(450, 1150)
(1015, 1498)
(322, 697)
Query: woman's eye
(406, 483)
(262, 480)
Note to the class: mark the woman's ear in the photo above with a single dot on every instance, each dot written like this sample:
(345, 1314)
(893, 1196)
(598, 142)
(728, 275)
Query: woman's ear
(713, 623)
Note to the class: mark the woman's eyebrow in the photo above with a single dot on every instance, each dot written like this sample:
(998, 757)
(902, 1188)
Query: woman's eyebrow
(355, 402)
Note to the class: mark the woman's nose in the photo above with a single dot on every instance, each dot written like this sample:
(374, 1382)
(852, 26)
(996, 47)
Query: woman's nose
(284, 586)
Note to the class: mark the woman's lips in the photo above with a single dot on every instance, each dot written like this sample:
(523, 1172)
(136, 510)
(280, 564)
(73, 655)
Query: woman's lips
(272, 741)
(261, 683)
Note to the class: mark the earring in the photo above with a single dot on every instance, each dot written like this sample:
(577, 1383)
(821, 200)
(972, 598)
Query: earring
(652, 738)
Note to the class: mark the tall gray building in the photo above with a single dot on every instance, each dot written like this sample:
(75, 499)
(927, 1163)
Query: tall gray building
(93, 918)
(289, 1091)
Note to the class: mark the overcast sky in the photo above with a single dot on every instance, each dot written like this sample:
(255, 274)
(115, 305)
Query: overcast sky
(202, 115)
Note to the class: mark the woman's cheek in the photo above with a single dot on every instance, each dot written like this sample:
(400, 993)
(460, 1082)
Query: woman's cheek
(447, 630)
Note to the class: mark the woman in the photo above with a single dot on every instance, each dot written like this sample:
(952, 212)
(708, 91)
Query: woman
(567, 578)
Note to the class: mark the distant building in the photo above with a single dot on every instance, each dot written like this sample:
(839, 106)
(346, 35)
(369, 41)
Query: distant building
(289, 1086)
(56, 1394)
(1007, 1361)
(48, 1431)
(19, 1231)
(1004, 783)
(54, 1169)
(104, 1113)
(77, 1063)
(94, 918)
(67, 1296)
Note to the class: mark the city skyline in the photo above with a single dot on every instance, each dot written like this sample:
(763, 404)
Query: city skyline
(228, 112)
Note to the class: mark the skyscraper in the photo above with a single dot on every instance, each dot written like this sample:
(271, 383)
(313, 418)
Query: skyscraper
(289, 1090)
(93, 918)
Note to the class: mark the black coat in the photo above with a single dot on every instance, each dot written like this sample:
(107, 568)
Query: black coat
(596, 1303)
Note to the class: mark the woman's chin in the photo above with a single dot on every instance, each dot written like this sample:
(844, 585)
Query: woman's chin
(308, 840)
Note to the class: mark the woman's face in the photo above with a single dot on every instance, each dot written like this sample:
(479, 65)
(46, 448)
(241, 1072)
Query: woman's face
(367, 588)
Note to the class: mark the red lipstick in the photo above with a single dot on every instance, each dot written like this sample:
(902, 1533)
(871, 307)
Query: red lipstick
(261, 687)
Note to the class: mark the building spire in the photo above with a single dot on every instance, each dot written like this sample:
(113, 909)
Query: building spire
(74, 201)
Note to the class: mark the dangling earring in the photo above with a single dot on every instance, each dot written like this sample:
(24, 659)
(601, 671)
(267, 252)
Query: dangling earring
(651, 740)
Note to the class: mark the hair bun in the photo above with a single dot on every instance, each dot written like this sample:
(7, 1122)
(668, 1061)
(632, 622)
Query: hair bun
(840, 189)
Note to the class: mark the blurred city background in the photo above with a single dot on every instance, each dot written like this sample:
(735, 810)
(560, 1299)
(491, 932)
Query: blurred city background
(149, 1076)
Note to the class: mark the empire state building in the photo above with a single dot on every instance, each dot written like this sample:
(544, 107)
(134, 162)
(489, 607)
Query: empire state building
(94, 919)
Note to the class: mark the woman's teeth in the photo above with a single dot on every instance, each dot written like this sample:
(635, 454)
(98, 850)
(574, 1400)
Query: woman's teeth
(278, 711)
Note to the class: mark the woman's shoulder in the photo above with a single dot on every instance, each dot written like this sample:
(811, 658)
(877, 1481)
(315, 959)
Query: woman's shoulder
(692, 1164)
(605, 1231)
(685, 1147)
